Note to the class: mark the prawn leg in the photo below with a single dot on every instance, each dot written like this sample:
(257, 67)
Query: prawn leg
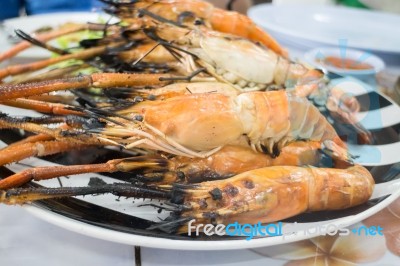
(25, 36)
(23, 68)
(41, 106)
(60, 133)
(25, 195)
(31, 139)
(99, 80)
(17, 152)
(48, 172)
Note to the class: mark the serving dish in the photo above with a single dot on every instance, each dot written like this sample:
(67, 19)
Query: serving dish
(330, 25)
(345, 61)
(33, 23)
(125, 220)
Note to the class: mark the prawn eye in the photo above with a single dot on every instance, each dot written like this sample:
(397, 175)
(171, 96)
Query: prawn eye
(198, 22)
(139, 118)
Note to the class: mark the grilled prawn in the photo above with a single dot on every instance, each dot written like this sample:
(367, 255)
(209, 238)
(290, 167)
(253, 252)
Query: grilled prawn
(236, 61)
(266, 120)
(181, 11)
(261, 195)
(275, 193)
(257, 123)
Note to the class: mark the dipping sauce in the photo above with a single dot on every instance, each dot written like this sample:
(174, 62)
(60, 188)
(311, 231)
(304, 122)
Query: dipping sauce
(345, 63)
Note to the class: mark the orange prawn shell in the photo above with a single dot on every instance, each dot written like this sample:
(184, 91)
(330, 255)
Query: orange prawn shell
(234, 159)
(271, 114)
(197, 130)
(205, 121)
(237, 159)
(274, 193)
(218, 19)
(238, 24)
(261, 195)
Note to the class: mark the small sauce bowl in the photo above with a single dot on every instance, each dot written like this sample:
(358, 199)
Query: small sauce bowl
(345, 61)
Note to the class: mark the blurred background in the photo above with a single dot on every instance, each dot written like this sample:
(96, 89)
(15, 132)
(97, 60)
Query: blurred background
(15, 8)
(372, 32)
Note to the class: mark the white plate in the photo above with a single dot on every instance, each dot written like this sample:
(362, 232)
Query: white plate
(155, 242)
(125, 206)
(32, 23)
(307, 24)
(103, 226)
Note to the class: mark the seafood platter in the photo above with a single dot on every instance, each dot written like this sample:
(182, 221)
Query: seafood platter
(178, 115)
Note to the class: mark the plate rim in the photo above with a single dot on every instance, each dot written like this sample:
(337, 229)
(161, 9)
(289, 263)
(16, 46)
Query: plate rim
(285, 32)
(203, 245)
(34, 54)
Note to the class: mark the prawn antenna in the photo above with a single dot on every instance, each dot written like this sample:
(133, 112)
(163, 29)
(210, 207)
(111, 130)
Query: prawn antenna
(25, 36)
